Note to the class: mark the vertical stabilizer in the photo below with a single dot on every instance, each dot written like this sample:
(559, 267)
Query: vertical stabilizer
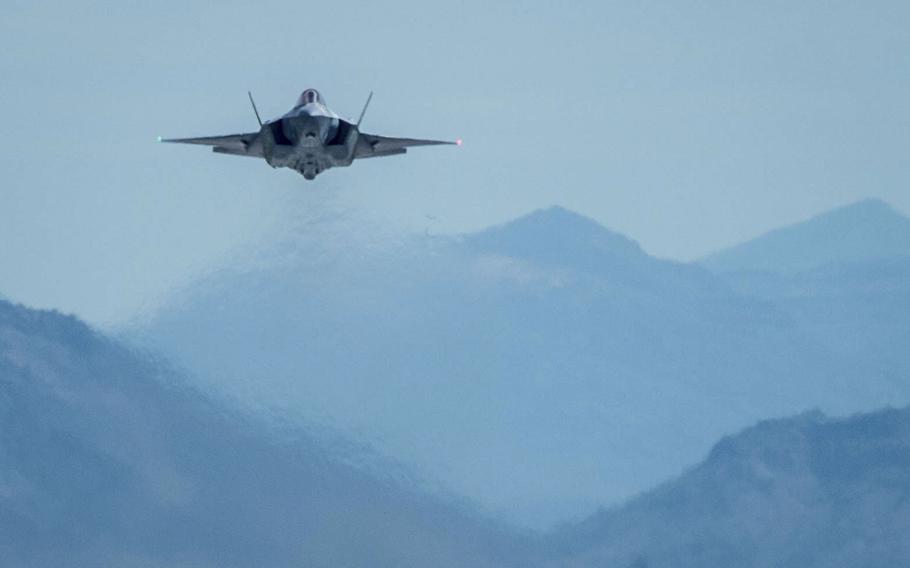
(255, 110)
(364, 111)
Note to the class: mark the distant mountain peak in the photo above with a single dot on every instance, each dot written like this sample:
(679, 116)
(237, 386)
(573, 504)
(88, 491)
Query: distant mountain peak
(766, 435)
(556, 235)
(862, 231)
(867, 203)
(556, 217)
(556, 213)
(865, 210)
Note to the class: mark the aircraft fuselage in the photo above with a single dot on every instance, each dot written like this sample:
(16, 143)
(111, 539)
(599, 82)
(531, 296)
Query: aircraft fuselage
(309, 139)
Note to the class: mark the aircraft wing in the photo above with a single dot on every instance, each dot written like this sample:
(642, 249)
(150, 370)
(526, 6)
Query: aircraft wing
(377, 146)
(234, 144)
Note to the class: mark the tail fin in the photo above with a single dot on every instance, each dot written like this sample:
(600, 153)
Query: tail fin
(252, 102)
(364, 111)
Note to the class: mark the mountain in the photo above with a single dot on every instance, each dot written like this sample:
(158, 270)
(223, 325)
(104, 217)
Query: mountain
(857, 309)
(559, 237)
(843, 276)
(109, 458)
(542, 368)
(802, 492)
(864, 231)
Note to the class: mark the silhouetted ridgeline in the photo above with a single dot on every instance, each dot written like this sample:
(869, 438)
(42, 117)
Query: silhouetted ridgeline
(108, 460)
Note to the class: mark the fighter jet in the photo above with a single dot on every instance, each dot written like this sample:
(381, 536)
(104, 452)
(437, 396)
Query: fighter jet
(309, 139)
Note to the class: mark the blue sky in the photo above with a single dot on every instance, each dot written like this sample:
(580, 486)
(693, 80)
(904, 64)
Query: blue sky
(687, 126)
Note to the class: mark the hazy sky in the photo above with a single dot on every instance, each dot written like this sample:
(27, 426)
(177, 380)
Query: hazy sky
(687, 126)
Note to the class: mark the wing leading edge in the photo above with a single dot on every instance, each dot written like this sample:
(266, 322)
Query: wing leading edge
(234, 144)
(377, 146)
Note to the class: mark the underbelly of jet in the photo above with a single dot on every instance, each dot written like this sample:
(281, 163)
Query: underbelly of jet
(309, 145)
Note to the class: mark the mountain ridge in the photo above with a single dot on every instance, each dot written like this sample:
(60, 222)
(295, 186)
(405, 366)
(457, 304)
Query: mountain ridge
(792, 492)
(107, 457)
(540, 338)
(105, 462)
(566, 229)
(866, 230)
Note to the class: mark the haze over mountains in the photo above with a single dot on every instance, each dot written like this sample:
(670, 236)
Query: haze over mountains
(543, 368)
(803, 492)
(547, 366)
(843, 275)
(869, 230)
(107, 458)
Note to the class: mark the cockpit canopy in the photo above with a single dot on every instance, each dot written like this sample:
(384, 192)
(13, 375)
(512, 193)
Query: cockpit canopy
(309, 96)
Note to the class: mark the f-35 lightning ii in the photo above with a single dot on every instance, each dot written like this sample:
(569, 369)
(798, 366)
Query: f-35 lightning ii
(309, 139)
